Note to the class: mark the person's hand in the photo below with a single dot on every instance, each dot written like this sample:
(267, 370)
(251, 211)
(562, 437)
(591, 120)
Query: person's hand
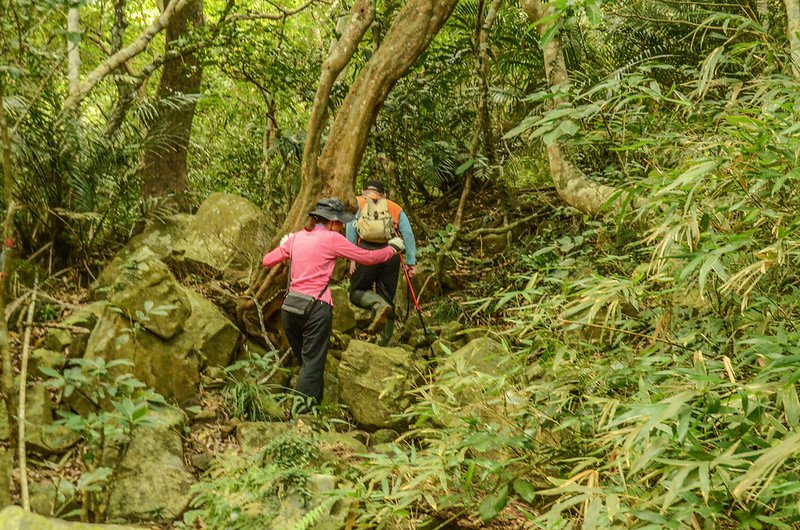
(397, 244)
(352, 267)
(412, 271)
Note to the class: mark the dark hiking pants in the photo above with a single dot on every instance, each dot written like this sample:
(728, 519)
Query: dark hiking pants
(308, 337)
(382, 276)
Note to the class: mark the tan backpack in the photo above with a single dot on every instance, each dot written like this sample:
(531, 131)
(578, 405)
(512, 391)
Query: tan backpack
(376, 222)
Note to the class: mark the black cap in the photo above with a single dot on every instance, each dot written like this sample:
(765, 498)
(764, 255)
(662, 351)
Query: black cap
(331, 209)
(375, 185)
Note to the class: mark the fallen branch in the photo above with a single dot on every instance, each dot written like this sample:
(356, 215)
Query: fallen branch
(475, 234)
(72, 329)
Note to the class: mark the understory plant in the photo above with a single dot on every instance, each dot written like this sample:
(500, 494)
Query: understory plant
(112, 403)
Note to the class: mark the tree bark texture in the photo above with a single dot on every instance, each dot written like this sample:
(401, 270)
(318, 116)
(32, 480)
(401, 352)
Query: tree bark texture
(572, 185)
(125, 54)
(409, 35)
(6, 255)
(793, 30)
(73, 50)
(361, 16)
(164, 168)
(126, 91)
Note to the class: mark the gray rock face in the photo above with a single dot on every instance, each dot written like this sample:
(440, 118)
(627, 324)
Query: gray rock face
(170, 367)
(344, 320)
(148, 294)
(153, 481)
(40, 435)
(15, 518)
(373, 382)
(254, 435)
(227, 231)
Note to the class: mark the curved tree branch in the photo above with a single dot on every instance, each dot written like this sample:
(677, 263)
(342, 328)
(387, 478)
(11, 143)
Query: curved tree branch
(123, 55)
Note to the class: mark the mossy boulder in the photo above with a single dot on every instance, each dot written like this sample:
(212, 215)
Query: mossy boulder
(159, 237)
(344, 320)
(254, 435)
(373, 383)
(15, 518)
(153, 482)
(171, 368)
(42, 358)
(227, 231)
(72, 342)
(147, 293)
(215, 337)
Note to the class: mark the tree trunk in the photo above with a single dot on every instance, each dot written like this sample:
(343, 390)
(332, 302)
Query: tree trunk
(126, 91)
(793, 29)
(125, 54)
(164, 169)
(73, 51)
(361, 16)
(571, 183)
(410, 34)
(6, 257)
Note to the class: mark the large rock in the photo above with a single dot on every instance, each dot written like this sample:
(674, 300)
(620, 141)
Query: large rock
(212, 334)
(227, 231)
(147, 293)
(171, 368)
(344, 320)
(41, 435)
(254, 435)
(153, 482)
(160, 238)
(373, 382)
(15, 518)
(482, 354)
(73, 341)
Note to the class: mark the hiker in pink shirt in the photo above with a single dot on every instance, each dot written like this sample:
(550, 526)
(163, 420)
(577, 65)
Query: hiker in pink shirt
(307, 311)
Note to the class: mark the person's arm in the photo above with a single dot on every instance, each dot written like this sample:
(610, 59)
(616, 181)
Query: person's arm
(404, 227)
(350, 230)
(278, 254)
(345, 249)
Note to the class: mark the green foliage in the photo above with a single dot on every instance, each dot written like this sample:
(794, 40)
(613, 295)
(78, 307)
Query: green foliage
(117, 402)
(251, 491)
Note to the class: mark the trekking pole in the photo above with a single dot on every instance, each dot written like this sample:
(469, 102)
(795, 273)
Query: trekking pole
(416, 302)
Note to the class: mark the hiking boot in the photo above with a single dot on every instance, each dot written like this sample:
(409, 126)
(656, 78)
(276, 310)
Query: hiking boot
(381, 307)
(382, 314)
(386, 337)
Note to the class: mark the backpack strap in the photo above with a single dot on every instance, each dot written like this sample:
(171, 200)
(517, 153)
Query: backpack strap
(394, 209)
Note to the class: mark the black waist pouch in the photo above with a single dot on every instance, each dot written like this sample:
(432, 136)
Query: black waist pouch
(297, 303)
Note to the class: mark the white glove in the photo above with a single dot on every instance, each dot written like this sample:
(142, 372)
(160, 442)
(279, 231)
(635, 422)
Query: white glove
(285, 238)
(397, 244)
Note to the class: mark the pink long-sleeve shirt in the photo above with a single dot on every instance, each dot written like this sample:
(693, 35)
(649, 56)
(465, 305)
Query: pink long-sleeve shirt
(313, 256)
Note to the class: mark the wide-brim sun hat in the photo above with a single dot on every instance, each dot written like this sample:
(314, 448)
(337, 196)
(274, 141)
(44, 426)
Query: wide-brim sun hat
(332, 210)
